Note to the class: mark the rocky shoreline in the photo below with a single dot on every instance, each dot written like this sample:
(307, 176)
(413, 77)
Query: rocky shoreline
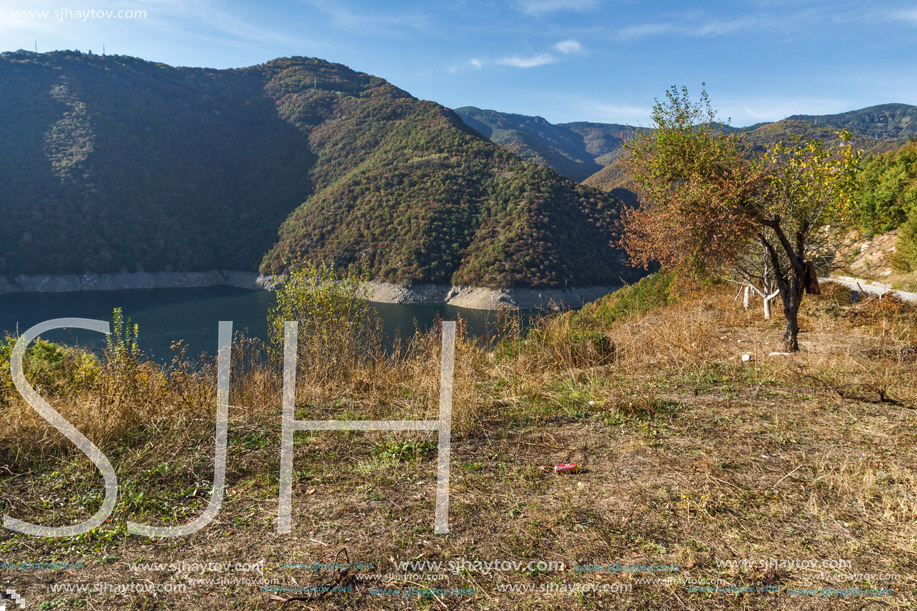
(476, 298)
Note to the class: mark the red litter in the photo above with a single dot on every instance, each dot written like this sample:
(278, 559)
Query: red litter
(570, 468)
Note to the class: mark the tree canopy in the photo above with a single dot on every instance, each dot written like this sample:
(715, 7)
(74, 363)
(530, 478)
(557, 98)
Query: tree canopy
(707, 200)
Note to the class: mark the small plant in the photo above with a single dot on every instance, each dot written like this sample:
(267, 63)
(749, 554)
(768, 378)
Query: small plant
(405, 450)
(121, 344)
(591, 347)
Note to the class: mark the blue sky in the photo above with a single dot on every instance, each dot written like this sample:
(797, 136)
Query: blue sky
(565, 60)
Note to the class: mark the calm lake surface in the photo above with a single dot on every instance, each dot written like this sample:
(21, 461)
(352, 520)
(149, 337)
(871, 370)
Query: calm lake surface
(192, 314)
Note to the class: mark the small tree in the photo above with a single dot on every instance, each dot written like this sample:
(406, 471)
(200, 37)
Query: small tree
(809, 189)
(337, 326)
(707, 202)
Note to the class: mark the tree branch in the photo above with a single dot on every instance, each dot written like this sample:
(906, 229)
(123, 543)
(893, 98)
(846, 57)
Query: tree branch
(795, 259)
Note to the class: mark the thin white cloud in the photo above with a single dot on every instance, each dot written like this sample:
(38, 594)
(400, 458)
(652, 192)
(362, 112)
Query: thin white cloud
(471, 65)
(907, 16)
(533, 61)
(541, 7)
(568, 46)
(720, 28)
(363, 22)
(760, 115)
(563, 48)
(695, 30)
(634, 32)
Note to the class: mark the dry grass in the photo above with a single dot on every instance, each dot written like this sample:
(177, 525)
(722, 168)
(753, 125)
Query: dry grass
(689, 457)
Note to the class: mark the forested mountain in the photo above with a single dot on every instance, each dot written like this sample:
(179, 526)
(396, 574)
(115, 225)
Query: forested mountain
(882, 122)
(112, 163)
(574, 148)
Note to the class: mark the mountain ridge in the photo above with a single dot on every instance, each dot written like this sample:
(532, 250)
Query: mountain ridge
(116, 164)
(879, 128)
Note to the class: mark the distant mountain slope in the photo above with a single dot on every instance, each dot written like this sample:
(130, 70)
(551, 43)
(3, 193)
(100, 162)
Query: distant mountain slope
(118, 164)
(882, 122)
(573, 148)
(615, 179)
(603, 140)
(576, 150)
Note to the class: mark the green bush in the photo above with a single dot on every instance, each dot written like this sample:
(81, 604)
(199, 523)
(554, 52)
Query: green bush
(337, 326)
(653, 291)
(888, 189)
(50, 368)
(591, 346)
(904, 258)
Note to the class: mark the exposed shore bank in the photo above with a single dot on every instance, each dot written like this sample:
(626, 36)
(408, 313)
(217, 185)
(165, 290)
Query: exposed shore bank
(381, 292)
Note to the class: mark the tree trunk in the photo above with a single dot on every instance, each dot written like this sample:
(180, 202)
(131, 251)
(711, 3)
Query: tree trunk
(791, 301)
(767, 304)
(790, 335)
(792, 285)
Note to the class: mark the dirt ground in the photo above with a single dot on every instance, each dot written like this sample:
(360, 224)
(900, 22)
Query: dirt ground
(705, 482)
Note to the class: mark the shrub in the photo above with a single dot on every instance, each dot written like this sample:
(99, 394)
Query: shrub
(904, 258)
(888, 189)
(338, 328)
(651, 292)
(591, 347)
(50, 368)
(121, 344)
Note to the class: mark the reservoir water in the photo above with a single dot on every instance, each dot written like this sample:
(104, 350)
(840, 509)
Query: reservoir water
(192, 314)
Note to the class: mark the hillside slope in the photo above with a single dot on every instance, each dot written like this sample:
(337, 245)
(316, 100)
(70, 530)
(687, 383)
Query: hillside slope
(576, 150)
(882, 122)
(573, 148)
(118, 164)
(114, 163)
